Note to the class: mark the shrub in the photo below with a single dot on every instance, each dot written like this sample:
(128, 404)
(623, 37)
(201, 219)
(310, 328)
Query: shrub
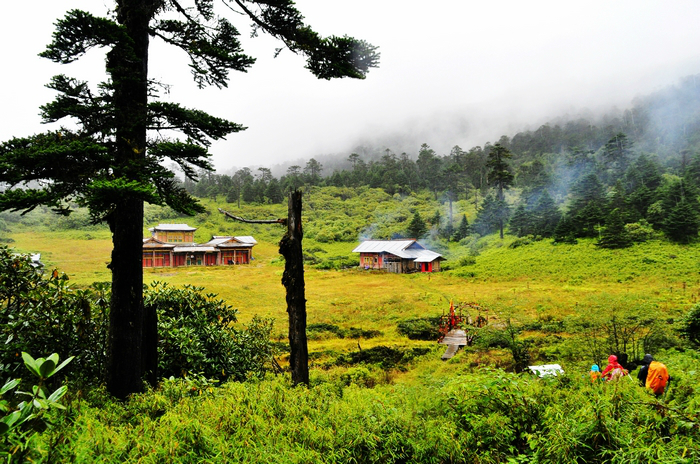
(425, 328)
(384, 356)
(196, 335)
(23, 420)
(690, 326)
(40, 314)
(338, 262)
(640, 231)
(316, 331)
(358, 376)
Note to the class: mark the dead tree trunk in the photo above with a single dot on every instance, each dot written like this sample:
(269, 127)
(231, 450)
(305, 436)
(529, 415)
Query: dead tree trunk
(293, 281)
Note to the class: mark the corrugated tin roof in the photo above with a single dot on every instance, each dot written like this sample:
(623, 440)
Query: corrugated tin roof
(386, 246)
(427, 256)
(405, 249)
(246, 239)
(173, 227)
(221, 240)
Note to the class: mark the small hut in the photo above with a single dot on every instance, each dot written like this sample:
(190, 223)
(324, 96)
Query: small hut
(399, 256)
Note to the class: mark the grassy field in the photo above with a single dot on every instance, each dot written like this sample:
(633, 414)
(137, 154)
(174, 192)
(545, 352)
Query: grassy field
(539, 281)
(465, 410)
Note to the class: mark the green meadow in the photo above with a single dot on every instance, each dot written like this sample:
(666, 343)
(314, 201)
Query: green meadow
(378, 395)
(524, 283)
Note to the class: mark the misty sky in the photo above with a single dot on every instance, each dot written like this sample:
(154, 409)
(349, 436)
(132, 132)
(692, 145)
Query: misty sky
(452, 72)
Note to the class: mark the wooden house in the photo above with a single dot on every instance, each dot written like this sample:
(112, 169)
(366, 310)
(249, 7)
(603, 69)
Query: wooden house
(400, 256)
(172, 245)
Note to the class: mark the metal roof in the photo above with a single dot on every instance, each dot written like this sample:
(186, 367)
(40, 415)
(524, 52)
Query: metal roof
(173, 227)
(405, 249)
(427, 256)
(155, 243)
(383, 246)
(229, 241)
(246, 239)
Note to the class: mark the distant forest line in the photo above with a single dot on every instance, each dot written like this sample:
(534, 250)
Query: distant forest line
(621, 177)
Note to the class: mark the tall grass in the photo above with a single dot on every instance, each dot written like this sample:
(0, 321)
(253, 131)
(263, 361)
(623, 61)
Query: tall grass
(471, 416)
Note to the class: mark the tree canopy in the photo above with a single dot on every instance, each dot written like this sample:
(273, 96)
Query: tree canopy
(114, 160)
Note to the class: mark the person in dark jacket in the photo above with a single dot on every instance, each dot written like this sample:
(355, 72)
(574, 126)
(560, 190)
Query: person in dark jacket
(644, 369)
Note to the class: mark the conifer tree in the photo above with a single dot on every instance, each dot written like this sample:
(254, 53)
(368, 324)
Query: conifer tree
(547, 215)
(111, 165)
(491, 216)
(462, 230)
(417, 227)
(614, 234)
(565, 231)
(501, 178)
(520, 222)
(616, 154)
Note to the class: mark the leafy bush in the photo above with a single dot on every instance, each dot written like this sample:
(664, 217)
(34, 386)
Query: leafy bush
(39, 314)
(384, 356)
(522, 241)
(197, 335)
(640, 231)
(359, 376)
(338, 263)
(425, 328)
(690, 326)
(473, 415)
(22, 420)
(316, 330)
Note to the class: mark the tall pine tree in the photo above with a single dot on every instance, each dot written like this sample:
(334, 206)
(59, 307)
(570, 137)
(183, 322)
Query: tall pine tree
(501, 178)
(112, 166)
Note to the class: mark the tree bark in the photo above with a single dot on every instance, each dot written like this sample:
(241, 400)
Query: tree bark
(132, 339)
(293, 281)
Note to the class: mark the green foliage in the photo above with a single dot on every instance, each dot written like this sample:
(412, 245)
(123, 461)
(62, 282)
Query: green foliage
(40, 313)
(196, 330)
(492, 214)
(474, 415)
(621, 326)
(321, 330)
(425, 328)
(197, 335)
(690, 326)
(385, 357)
(22, 420)
(614, 233)
(417, 227)
(463, 229)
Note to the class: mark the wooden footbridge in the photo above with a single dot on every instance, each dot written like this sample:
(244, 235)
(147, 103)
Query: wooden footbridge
(454, 339)
(450, 333)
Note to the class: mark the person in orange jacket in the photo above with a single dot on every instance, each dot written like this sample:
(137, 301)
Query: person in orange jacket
(653, 375)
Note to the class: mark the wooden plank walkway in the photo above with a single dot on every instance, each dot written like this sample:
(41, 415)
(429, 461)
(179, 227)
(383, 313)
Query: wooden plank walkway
(454, 339)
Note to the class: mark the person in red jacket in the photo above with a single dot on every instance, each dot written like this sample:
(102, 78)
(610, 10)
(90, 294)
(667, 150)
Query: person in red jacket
(613, 370)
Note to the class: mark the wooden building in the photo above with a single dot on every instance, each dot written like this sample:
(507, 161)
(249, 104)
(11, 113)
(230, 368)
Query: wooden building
(400, 256)
(172, 245)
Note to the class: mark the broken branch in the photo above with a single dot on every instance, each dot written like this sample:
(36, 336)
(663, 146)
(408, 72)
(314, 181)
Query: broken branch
(282, 221)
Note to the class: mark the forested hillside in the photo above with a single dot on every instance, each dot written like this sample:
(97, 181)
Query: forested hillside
(619, 177)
